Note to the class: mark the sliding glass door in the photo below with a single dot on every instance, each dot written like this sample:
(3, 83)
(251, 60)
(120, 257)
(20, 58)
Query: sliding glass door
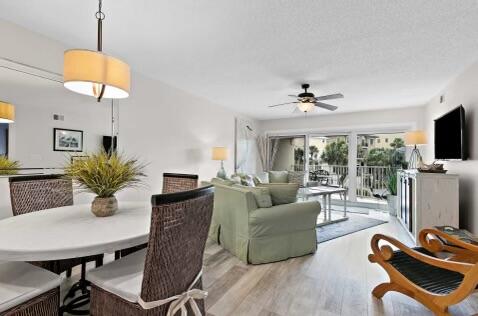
(379, 155)
(328, 159)
(361, 162)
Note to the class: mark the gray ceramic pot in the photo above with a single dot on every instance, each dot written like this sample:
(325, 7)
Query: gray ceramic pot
(103, 207)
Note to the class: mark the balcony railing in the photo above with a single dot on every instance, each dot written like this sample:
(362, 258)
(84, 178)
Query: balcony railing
(370, 179)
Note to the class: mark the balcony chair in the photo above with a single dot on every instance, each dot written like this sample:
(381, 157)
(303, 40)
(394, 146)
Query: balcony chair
(421, 275)
(27, 290)
(37, 193)
(164, 278)
(172, 183)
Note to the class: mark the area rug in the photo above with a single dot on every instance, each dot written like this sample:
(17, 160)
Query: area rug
(354, 224)
(351, 209)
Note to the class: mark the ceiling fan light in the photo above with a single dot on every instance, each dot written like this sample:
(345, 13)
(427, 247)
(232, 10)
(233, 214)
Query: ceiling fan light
(84, 71)
(305, 106)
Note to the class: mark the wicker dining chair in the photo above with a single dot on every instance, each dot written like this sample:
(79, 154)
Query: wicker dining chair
(26, 290)
(172, 183)
(168, 269)
(177, 182)
(40, 192)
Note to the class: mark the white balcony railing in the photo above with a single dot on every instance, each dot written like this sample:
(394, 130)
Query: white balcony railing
(370, 179)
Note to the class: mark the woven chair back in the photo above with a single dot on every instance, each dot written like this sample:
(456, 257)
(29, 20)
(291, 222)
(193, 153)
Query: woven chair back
(179, 228)
(177, 182)
(31, 194)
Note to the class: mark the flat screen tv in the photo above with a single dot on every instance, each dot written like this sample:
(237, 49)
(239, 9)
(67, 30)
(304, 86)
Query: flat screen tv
(450, 141)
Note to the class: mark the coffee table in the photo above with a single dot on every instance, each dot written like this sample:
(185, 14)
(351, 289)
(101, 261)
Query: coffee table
(326, 193)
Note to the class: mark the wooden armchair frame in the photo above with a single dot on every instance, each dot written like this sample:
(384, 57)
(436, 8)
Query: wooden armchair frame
(458, 262)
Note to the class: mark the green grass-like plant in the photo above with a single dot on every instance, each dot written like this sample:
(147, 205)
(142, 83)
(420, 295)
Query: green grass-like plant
(392, 182)
(104, 174)
(7, 166)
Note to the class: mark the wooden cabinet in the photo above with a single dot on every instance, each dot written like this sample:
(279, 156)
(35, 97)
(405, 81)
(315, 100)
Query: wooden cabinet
(426, 200)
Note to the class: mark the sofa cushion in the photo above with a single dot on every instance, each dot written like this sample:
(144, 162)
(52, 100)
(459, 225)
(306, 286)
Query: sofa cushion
(20, 282)
(283, 219)
(296, 177)
(278, 176)
(261, 195)
(282, 193)
(226, 182)
(122, 277)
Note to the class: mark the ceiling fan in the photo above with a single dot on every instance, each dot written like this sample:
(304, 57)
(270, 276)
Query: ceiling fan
(307, 101)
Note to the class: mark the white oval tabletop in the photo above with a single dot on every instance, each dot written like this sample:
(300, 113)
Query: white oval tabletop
(73, 231)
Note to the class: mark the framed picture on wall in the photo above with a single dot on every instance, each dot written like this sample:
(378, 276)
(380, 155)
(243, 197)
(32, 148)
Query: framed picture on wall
(67, 140)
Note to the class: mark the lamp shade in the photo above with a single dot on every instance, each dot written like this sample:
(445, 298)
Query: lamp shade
(84, 71)
(415, 138)
(7, 112)
(305, 106)
(219, 153)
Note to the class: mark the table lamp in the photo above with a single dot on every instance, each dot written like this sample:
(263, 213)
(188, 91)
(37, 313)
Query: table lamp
(220, 153)
(414, 138)
(7, 112)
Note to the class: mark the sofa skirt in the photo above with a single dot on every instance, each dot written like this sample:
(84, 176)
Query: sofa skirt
(268, 249)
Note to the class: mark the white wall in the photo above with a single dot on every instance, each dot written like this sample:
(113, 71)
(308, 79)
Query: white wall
(384, 120)
(462, 90)
(165, 127)
(173, 131)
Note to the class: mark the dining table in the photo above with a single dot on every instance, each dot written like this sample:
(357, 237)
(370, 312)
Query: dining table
(73, 232)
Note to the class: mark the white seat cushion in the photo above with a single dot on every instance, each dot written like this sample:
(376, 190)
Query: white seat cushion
(122, 277)
(20, 282)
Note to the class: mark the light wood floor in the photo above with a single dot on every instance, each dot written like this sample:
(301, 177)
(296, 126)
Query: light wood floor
(337, 280)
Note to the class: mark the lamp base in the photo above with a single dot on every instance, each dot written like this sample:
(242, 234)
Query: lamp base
(415, 160)
(222, 173)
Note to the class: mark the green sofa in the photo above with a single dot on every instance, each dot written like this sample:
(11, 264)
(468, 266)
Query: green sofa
(262, 235)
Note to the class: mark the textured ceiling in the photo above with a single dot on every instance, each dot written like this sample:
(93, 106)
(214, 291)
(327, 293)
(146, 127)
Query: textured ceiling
(248, 54)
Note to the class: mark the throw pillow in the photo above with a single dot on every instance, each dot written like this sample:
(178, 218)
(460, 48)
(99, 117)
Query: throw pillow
(282, 193)
(297, 177)
(261, 195)
(278, 177)
(236, 179)
(261, 177)
(248, 181)
(257, 181)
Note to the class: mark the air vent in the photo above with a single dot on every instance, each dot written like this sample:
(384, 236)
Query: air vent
(58, 117)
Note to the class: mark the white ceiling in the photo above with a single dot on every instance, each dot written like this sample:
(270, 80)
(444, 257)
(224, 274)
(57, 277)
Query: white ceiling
(248, 54)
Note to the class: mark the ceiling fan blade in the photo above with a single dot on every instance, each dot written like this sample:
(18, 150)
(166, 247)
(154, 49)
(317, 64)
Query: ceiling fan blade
(271, 106)
(330, 97)
(293, 96)
(326, 106)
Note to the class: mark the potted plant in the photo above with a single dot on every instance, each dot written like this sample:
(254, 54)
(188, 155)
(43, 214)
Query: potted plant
(392, 193)
(7, 166)
(105, 174)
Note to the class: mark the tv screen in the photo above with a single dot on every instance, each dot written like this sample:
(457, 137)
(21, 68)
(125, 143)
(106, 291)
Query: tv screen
(450, 135)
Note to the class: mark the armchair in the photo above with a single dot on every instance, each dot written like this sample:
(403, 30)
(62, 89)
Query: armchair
(261, 235)
(420, 274)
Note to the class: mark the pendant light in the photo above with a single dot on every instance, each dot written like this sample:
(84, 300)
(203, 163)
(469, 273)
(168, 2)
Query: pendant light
(7, 112)
(95, 73)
